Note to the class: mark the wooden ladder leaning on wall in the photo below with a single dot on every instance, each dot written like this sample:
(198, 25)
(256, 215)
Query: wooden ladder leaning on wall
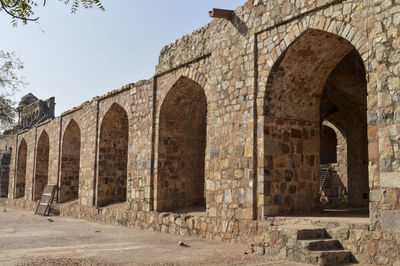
(46, 200)
(325, 171)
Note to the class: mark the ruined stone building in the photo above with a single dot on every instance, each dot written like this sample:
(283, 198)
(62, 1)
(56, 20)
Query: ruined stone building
(33, 111)
(231, 134)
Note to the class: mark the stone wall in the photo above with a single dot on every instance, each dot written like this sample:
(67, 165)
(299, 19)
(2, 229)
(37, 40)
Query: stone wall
(268, 78)
(7, 143)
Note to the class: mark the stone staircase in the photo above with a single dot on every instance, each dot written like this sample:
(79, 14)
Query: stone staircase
(316, 247)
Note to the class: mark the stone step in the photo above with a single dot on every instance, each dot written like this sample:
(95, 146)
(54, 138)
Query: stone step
(321, 244)
(311, 233)
(331, 257)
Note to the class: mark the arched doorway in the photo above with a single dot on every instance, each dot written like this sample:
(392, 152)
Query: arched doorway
(181, 148)
(70, 162)
(334, 167)
(42, 165)
(344, 102)
(113, 157)
(21, 170)
(319, 76)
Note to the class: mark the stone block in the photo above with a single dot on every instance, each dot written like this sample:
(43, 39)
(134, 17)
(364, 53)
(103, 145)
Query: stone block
(390, 179)
(259, 250)
(376, 195)
(272, 147)
(390, 221)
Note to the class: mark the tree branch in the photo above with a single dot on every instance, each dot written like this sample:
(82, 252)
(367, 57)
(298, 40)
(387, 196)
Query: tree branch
(5, 6)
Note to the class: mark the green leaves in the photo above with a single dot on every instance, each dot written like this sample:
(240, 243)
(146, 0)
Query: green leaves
(18, 10)
(24, 10)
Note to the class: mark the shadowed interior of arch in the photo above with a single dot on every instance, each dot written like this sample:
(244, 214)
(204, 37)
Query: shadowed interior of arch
(181, 148)
(344, 102)
(319, 76)
(70, 162)
(21, 170)
(42, 165)
(113, 157)
(329, 142)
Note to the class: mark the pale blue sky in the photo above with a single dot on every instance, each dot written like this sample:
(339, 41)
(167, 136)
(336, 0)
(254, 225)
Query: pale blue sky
(77, 57)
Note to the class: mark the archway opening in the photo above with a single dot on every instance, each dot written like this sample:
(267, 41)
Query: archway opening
(344, 103)
(113, 157)
(319, 77)
(70, 162)
(5, 159)
(333, 163)
(42, 165)
(21, 170)
(181, 148)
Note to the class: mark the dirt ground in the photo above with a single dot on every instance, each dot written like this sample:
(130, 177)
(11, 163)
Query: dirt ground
(27, 239)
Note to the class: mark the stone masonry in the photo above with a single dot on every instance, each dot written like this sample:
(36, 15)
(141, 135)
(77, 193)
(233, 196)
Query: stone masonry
(33, 111)
(227, 133)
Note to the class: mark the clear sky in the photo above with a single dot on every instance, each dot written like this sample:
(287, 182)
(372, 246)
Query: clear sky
(77, 57)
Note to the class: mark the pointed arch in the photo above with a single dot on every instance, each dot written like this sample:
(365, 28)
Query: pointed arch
(334, 142)
(334, 27)
(319, 75)
(42, 165)
(70, 162)
(113, 157)
(21, 169)
(181, 147)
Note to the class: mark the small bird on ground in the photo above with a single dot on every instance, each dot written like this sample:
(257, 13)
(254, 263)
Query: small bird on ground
(50, 220)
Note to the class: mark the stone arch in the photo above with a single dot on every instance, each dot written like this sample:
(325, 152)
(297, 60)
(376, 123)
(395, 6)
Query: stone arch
(341, 137)
(318, 22)
(336, 186)
(21, 169)
(181, 147)
(113, 157)
(42, 165)
(190, 73)
(300, 93)
(70, 162)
